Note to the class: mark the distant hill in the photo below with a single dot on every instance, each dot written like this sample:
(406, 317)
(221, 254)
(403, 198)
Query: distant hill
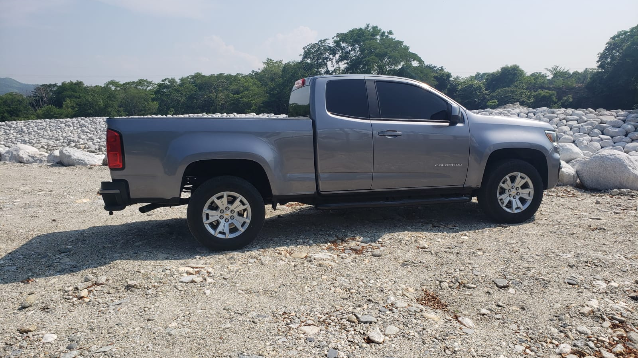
(10, 85)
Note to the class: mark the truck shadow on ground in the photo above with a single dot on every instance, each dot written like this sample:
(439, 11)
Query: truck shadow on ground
(61, 253)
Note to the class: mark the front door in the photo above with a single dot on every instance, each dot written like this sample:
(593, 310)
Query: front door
(414, 145)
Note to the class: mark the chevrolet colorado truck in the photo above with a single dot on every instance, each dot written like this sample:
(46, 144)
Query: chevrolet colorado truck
(348, 141)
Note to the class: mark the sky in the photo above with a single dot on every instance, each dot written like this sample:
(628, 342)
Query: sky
(50, 41)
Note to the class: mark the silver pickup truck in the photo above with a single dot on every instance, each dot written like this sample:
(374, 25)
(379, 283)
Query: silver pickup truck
(349, 141)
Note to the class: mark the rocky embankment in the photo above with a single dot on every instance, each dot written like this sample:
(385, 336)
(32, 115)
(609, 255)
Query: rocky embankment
(599, 148)
(431, 281)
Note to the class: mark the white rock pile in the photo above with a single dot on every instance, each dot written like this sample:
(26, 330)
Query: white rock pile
(598, 148)
(87, 134)
(69, 141)
(587, 139)
(84, 133)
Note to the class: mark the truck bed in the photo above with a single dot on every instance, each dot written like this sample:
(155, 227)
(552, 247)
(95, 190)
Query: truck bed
(158, 150)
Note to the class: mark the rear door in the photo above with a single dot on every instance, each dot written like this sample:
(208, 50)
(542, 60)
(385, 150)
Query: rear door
(343, 134)
(414, 145)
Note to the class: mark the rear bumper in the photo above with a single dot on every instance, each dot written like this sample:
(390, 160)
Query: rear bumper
(115, 195)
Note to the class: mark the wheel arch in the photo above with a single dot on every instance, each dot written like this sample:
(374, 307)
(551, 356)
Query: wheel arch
(198, 172)
(532, 156)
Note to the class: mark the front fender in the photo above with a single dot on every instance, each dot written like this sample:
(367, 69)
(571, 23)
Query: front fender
(487, 139)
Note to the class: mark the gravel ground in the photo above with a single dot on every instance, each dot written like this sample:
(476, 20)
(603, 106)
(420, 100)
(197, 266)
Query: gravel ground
(430, 281)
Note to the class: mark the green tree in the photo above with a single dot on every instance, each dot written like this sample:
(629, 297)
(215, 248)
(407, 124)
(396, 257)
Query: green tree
(42, 96)
(505, 77)
(469, 92)
(370, 50)
(172, 96)
(615, 84)
(247, 94)
(134, 98)
(544, 98)
(321, 57)
(534, 81)
(14, 106)
(50, 111)
(511, 95)
(367, 49)
(67, 90)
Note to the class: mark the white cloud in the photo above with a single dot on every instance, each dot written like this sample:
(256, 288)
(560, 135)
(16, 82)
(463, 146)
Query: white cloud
(213, 55)
(290, 45)
(208, 55)
(194, 9)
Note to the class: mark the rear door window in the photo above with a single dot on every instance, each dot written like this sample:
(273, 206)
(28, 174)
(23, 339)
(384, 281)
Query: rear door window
(299, 105)
(407, 102)
(347, 98)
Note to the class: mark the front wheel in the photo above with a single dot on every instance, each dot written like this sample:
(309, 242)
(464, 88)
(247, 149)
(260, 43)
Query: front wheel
(511, 192)
(226, 213)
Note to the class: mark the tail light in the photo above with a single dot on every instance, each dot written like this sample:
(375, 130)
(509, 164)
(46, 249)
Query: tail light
(300, 83)
(114, 152)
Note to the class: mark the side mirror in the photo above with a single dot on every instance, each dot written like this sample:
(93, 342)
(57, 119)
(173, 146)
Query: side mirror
(455, 116)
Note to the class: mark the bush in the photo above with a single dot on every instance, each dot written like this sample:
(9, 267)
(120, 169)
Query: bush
(511, 95)
(492, 104)
(15, 107)
(566, 101)
(544, 98)
(50, 111)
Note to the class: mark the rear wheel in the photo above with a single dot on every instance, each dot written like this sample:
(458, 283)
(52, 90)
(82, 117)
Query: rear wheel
(226, 213)
(511, 192)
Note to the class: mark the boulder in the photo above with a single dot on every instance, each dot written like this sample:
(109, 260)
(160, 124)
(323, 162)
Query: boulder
(608, 169)
(71, 156)
(54, 157)
(22, 153)
(631, 147)
(591, 147)
(618, 148)
(617, 123)
(567, 175)
(601, 127)
(569, 152)
(614, 132)
(566, 139)
(595, 133)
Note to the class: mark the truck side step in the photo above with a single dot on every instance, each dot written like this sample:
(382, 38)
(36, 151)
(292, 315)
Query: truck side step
(152, 206)
(403, 202)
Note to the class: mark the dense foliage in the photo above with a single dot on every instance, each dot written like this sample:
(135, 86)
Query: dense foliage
(614, 84)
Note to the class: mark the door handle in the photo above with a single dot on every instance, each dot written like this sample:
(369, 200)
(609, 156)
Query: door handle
(390, 133)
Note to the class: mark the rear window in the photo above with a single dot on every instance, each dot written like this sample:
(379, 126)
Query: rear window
(299, 105)
(347, 98)
(405, 101)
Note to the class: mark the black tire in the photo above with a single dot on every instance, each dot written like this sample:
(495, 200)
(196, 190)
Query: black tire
(487, 195)
(217, 186)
